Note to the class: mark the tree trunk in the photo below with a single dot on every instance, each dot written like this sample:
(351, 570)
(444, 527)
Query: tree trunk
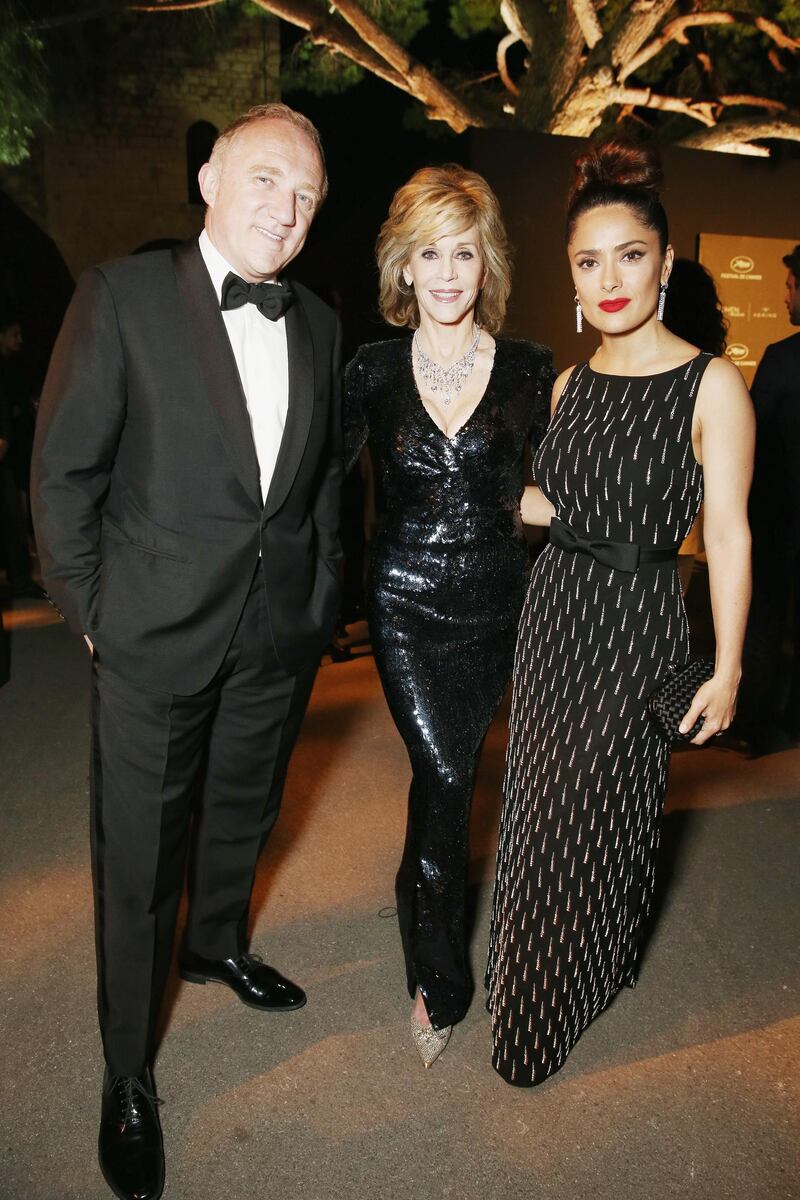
(586, 105)
(632, 30)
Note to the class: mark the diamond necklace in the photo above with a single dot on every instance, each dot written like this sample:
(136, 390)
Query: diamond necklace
(447, 380)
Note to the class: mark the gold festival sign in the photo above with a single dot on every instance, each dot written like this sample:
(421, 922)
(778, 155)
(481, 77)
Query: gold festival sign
(751, 282)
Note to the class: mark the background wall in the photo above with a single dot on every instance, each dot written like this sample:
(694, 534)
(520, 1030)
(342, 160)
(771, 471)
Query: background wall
(107, 185)
(705, 193)
(751, 281)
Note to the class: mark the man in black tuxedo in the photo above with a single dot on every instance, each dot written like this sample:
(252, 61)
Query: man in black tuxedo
(187, 475)
(775, 521)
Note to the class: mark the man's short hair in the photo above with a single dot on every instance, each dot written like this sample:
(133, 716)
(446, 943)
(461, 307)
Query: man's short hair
(792, 261)
(270, 112)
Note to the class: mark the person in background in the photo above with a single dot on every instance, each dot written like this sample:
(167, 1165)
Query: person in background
(449, 412)
(15, 429)
(769, 715)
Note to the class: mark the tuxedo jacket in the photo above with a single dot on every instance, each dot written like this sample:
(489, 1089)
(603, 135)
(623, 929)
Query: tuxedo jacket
(148, 510)
(775, 498)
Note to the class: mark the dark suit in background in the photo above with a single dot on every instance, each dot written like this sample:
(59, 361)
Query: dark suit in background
(775, 522)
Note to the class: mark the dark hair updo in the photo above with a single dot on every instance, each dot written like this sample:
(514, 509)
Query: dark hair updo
(619, 172)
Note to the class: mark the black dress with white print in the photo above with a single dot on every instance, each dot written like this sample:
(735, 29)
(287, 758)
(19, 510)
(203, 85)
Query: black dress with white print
(586, 771)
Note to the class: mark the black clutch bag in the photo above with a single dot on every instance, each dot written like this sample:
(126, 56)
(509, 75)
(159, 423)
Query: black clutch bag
(670, 700)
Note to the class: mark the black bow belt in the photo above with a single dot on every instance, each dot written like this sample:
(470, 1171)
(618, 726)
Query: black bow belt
(620, 556)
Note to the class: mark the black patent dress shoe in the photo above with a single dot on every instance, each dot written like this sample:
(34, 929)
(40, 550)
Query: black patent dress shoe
(255, 983)
(130, 1147)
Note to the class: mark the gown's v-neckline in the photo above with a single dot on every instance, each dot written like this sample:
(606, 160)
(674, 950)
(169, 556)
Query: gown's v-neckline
(449, 437)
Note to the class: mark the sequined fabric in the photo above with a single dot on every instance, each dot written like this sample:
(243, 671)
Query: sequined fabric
(446, 587)
(586, 771)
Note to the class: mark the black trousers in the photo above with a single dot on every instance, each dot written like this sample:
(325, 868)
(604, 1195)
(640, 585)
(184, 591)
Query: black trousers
(776, 591)
(158, 760)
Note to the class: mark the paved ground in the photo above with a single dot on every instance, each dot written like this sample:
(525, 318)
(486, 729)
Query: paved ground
(687, 1087)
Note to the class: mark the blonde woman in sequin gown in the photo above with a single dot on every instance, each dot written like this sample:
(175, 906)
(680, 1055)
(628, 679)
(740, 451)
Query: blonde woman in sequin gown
(449, 565)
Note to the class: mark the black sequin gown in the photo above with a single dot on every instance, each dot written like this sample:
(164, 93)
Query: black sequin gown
(446, 587)
(586, 772)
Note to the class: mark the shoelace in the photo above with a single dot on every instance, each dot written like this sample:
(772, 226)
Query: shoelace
(247, 960)
(128, 1086)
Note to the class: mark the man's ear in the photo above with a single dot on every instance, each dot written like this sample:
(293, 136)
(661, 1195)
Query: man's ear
(208, 178)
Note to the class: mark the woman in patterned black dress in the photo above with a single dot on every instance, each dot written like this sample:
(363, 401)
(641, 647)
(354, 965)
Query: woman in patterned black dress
(639, 434)
(448, 572)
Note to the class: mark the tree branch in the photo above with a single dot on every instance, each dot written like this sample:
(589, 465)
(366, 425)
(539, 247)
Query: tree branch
(172, 6)
(675, 31)
(639, 22)
(356, 35)
(503, 46)
(322, 28)
(516, 33)
(513, 23)
(737, 137)
(753, 102)
(589, 22)
(567, 57)
(441, 104)
(580, 90)
(698, 110)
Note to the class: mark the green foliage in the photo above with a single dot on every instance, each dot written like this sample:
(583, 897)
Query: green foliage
(319, 70)
(788, 14)
(23, 87)
(468, 17)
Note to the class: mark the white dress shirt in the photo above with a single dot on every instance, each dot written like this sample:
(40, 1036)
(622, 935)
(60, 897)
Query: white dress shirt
(259, 347)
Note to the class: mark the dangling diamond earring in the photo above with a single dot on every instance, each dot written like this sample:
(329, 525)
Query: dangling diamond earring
(578, 315)
(662, 300)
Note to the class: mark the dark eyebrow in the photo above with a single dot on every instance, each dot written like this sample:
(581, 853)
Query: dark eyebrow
(621, 246)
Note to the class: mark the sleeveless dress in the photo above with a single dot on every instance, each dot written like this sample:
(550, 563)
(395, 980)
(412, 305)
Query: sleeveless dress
(586, 771)
(445, 591)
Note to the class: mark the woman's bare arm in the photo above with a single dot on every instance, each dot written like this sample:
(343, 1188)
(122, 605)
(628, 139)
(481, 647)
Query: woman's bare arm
(535, 508)
(725, 426)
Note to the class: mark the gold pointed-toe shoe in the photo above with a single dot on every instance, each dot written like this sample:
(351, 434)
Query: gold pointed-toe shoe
(430, 1042)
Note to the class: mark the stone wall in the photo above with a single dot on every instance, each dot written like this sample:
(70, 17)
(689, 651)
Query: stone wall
(103, 190)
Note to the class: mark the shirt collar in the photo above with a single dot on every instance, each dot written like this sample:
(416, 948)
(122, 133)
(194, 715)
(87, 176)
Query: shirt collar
(217, 266)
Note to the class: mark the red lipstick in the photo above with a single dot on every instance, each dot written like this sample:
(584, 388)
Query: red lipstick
(614, 305)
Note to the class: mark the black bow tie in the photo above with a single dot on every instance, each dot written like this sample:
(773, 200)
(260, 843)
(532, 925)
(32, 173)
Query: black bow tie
(271, 299)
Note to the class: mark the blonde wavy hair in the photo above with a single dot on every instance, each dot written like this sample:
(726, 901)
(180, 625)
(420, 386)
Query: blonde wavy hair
(435, 201)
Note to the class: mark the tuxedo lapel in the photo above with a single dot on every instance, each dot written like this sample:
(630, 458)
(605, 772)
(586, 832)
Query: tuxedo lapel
(218, 365)
(301, 406)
